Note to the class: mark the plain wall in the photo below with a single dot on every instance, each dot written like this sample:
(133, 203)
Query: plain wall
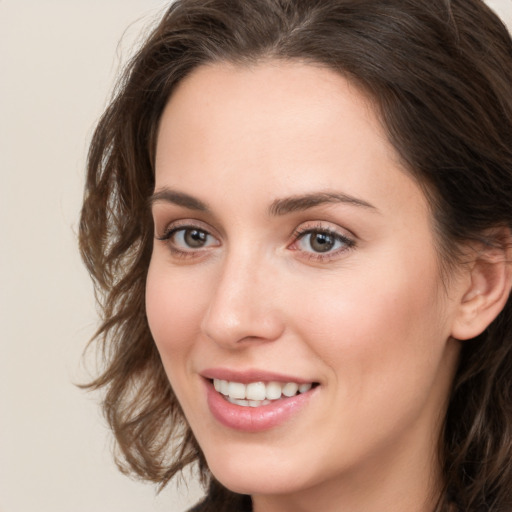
(57, 64)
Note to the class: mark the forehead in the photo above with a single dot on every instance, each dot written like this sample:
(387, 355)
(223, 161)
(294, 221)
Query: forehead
(276, 128)
(263, 92)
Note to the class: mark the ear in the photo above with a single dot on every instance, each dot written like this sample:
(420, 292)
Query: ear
(487, 289)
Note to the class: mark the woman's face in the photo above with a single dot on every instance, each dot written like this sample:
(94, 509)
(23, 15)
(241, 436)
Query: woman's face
(294, 253)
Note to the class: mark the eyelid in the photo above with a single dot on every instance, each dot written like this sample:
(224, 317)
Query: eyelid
(340, 234)
(183, 224)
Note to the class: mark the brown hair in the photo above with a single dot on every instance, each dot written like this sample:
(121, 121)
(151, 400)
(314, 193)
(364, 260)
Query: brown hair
(440, 73)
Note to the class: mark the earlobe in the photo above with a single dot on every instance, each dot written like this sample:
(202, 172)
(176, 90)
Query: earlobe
(488, 291)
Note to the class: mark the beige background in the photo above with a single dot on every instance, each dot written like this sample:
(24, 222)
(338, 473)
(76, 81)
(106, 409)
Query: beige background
(57, 63)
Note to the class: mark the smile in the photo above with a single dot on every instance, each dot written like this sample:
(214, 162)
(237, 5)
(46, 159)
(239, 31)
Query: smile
(256, 394)
(257, 405)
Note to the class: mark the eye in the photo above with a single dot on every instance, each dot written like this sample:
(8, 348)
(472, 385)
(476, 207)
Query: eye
(187, 240)
(318, 242)
(321, 243)
(191, 238)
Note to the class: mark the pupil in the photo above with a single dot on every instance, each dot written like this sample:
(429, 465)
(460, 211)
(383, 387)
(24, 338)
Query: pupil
(195, 238)
(322, 242)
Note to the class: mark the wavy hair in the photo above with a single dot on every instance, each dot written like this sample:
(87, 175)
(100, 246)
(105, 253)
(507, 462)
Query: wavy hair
(440, 75)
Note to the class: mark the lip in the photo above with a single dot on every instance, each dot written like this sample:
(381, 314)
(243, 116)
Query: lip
(254, 419)
(251, 375)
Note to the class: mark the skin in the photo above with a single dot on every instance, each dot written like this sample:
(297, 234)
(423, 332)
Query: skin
(370, 320)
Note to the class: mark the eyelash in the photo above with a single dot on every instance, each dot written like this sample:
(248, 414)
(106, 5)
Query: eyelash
(173, 230)
(298, 235)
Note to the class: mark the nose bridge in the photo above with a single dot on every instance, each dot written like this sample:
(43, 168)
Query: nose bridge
(241, 306)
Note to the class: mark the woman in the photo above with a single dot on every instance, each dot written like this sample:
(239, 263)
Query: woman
(298, 219)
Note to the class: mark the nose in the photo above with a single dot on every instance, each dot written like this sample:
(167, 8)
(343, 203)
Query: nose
(244, 305)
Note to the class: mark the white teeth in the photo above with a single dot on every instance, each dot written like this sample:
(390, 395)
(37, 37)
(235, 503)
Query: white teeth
(290, 389)
(304, 387)
(224, 387)
(247, 403)
(236, 390)
(274, 390)
(255, 394)
(255, 391)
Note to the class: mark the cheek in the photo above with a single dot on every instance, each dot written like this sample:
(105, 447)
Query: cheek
(173, 308)
(377, 333)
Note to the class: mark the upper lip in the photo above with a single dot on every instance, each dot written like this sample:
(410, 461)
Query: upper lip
(251, 375)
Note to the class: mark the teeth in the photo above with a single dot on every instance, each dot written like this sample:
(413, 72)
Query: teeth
(255, 391)
(236, 390)
(239, 402)
(305, 387)
(255, 394)
(247, 403)
(224, 387)
(290, 389)
(274, 390)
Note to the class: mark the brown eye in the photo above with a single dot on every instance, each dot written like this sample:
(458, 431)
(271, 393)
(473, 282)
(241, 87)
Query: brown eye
(189, 239)
(321, 242)
(195, 238)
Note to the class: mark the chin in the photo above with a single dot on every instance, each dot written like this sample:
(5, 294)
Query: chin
(244, 474)
(256, 482)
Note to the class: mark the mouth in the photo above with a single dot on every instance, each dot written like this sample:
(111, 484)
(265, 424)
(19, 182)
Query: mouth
(258, 394)
(256, 400)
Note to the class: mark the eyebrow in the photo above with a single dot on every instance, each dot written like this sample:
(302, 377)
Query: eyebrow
(278, 207)
(306, 201)
(179, 198)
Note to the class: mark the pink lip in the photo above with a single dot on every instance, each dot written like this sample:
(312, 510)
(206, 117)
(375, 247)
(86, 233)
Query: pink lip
(255, 419)
(252, 375)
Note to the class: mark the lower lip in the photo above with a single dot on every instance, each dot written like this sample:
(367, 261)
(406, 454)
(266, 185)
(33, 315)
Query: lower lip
(254, 419)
